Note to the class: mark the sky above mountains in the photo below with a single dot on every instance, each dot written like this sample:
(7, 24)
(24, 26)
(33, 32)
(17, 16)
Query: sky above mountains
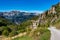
(27, 5)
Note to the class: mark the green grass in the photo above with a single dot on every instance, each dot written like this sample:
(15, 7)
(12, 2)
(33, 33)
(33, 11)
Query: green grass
(24, 38)
(45, 36)
(57, 24)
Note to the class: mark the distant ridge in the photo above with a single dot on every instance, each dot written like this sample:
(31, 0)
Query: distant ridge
(17, 16)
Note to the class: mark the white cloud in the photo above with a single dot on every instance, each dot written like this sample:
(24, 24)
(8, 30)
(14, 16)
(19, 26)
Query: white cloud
(30, 11)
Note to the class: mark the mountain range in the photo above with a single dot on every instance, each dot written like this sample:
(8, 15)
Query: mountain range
(17, 16)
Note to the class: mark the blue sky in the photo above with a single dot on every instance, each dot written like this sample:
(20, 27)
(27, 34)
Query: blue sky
(27, 5)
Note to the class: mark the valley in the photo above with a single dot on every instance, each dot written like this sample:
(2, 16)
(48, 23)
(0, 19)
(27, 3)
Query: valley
(16, 25)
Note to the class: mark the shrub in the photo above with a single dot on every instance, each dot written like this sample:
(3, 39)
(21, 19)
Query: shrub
(5, 32)
(13, 33)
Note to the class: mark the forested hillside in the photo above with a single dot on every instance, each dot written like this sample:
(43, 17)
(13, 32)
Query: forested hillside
(9, 28)
(41, 32)
(16, 16)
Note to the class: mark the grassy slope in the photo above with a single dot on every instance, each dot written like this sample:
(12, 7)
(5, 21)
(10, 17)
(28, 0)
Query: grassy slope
(57, 25)
(24, 38)
(44, 35)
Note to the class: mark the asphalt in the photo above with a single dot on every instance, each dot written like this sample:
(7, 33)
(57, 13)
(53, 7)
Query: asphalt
(55, 33)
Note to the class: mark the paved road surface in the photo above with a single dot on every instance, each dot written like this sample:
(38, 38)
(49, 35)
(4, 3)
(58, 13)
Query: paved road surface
(55, 33)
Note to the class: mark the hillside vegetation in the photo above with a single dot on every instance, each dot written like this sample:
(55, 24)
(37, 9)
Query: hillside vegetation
(9, 28)
(49, 17)
(52, 16)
